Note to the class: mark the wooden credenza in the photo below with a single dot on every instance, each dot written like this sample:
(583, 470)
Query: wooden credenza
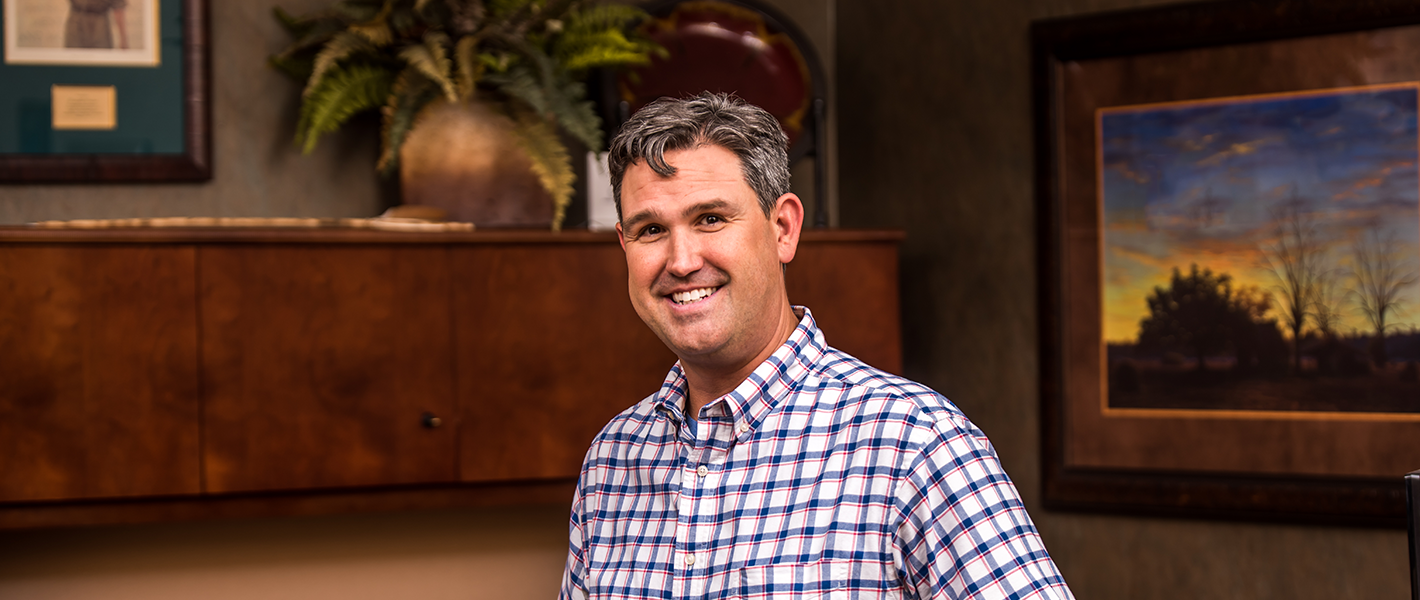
(159, 374)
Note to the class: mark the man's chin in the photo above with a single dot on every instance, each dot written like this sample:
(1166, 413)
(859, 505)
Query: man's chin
(694, 348)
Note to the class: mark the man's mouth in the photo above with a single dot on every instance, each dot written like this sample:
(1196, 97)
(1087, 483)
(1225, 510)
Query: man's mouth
(683, 298)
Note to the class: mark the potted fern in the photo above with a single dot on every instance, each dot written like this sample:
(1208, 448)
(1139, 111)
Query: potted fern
(514, 67)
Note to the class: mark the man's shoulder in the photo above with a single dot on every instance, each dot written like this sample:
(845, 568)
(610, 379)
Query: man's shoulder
(844, 375)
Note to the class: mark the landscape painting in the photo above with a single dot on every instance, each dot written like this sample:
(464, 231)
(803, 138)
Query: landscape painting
(1262, 253)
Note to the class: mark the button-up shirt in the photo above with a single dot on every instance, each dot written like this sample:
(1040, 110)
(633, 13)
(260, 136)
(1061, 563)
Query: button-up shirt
(818, 476)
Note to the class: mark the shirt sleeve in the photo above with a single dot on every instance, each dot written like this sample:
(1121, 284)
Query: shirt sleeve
(964, 531)
(574, 585)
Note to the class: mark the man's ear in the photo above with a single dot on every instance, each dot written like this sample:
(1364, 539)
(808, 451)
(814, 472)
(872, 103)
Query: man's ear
(788, 221)
(620, 237)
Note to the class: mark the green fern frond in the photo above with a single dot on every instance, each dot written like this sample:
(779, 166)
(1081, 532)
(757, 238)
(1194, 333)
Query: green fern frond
(411, 93)
(295, 26)
(403, 20)
(595, 36)
(579, 119)
(468, 65)
(550, 161)
(431, 59)
(311, 34)
(360, 11)
(343, 45)
(502, 8)
(296, 68)
(520, 84)
(343, 92)
(377, 28)
(378, 33)
(497, 61)
(602, 17)
(602, 53)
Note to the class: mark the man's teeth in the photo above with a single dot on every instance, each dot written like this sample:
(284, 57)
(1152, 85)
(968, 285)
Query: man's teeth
(692, 295)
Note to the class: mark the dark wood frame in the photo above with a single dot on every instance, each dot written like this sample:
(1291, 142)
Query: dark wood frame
(194, 164)
(1412, 514)
(1349, 500)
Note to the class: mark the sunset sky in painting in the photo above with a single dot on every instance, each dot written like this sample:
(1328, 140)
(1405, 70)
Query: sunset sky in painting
(1197, 182)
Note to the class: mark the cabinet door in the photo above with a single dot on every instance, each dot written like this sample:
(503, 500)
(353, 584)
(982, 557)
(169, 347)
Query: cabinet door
(851, 287)
(98, 372)
(319, 363)
(549, 349)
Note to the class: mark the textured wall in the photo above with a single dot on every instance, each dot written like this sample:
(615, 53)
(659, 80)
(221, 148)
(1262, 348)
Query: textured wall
(935, 138)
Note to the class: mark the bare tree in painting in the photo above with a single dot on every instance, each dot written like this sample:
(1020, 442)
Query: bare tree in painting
(1380, 273)
(1295, 257)
(1329, 304)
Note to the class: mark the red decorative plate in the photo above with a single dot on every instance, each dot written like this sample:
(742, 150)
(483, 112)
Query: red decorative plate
(724, 47)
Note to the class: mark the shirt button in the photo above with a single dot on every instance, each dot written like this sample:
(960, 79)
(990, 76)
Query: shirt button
(689, 559)
(742, 427)
(702, 471)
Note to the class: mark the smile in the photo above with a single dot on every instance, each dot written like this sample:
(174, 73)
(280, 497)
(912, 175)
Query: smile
(683, 298)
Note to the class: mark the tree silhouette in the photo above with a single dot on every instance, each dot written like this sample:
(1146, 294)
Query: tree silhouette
(1379, 271)
(1199, 312)
(1296, 257)
(1257, 341)
(1329, 302)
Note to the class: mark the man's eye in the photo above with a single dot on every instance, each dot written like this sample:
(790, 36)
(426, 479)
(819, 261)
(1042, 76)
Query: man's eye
(712, 220)
(651, 230)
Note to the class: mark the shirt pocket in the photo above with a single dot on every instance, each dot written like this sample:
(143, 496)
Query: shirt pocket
(827, 579)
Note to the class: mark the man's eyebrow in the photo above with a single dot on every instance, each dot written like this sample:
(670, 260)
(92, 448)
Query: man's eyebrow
(632, 221)
(706, 206)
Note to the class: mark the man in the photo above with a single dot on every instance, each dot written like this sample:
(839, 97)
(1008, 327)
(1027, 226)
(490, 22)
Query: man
(770, 465)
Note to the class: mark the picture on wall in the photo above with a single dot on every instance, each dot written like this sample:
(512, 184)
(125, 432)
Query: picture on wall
(82, 32)
(1229, 249)
(1262, 253)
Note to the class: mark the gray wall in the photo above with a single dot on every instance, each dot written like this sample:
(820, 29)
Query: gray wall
(935, 138)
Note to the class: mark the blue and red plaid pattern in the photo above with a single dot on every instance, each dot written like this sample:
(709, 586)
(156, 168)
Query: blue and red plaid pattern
(818, 476)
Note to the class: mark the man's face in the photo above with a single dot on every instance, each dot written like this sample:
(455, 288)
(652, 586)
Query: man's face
(703, 259)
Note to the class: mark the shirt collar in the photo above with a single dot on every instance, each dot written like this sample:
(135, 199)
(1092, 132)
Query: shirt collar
(755, 397)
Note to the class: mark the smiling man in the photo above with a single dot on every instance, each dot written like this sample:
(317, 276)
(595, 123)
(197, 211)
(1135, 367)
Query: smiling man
(770, 465)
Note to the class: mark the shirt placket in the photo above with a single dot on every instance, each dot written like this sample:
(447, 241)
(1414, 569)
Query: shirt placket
(698, 507)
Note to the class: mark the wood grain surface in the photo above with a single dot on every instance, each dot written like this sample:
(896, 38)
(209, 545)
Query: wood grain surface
(549, 351)
(98, 372)
(319, 362)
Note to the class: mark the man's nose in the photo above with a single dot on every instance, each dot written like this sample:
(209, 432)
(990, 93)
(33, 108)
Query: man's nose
(685, 257)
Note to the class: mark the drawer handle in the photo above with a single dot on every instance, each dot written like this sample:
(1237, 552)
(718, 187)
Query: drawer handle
(431, 420)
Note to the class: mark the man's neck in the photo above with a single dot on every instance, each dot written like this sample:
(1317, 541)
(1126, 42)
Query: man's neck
(705, 383)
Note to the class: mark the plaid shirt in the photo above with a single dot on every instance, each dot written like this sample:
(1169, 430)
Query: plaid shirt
(818, 476)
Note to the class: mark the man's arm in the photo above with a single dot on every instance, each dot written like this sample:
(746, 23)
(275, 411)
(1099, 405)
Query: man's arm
(574, 585)
(964, 532)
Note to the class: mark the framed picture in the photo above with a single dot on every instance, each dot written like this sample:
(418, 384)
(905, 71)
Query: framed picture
(1229, 224)
(81, 32)
(104, 91)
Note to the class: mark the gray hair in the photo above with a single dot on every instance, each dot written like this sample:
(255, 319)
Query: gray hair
(713, 119)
